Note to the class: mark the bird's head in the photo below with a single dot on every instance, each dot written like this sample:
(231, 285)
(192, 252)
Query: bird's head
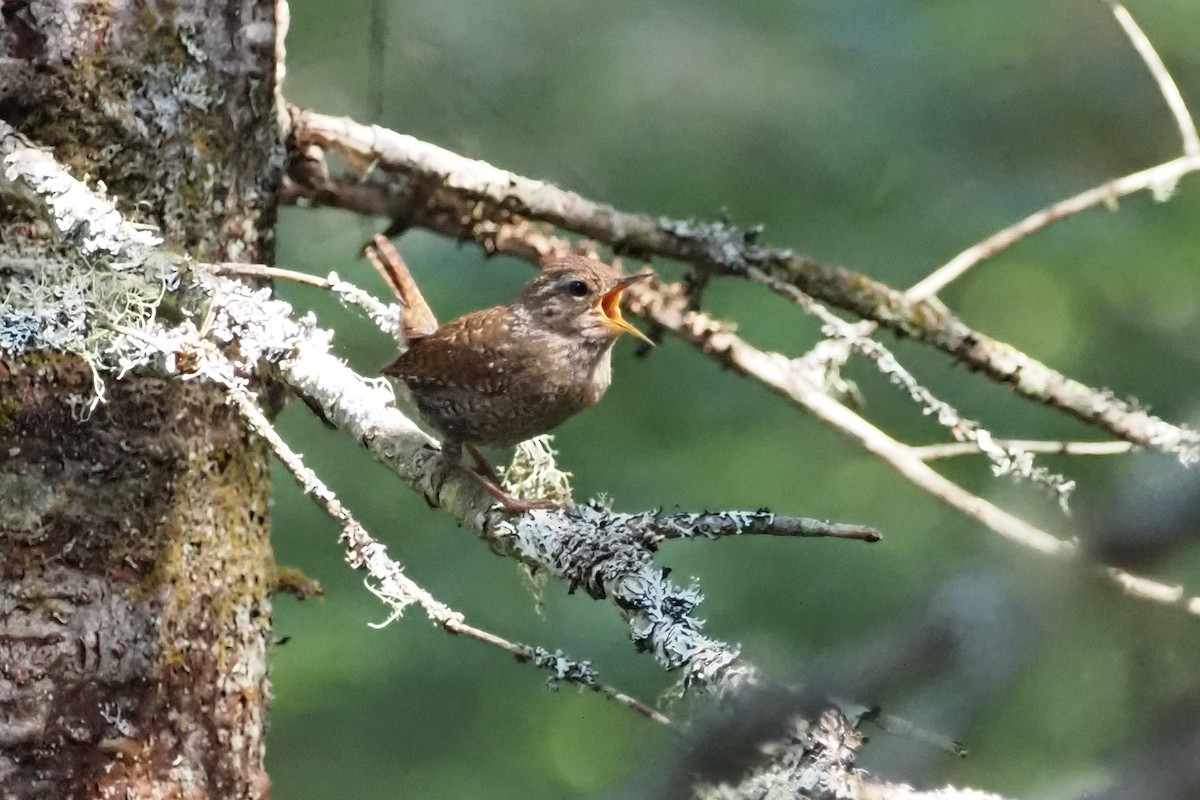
(577, 296)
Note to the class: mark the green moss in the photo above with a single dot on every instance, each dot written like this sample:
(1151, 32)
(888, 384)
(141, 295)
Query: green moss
(8, 407)
(216, 562)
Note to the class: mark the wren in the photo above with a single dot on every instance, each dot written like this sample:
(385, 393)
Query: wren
(501, 375)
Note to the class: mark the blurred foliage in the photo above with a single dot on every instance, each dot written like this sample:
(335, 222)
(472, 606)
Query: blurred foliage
(885, 135)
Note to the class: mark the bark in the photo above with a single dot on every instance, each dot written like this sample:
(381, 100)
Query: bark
(135, 565)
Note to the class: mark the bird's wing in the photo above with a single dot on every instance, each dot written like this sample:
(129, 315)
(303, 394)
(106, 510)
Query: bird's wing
(477, 352)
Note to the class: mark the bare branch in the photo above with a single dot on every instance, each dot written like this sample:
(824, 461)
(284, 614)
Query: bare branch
(466, 198)
(274, 273)
(1158, 70)
(1160, 179)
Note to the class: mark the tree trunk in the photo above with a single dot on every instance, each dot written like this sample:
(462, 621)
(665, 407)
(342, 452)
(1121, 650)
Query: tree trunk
(135, 566)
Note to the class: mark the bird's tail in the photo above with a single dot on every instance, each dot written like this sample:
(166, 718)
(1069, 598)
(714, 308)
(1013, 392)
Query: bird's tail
(418, 319)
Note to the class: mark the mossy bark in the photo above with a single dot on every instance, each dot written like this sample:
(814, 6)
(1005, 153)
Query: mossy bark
(134, 555)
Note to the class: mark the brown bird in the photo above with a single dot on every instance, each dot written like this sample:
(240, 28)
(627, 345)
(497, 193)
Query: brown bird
(501, 375)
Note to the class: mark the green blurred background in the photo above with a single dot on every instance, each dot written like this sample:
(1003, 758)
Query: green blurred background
(885, 135)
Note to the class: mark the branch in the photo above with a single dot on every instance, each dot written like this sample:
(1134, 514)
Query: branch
(933, 452)
(428, 186)
(655, 529)
(91, 223)
(1005, 460)
(103, 269)
(1159, 179)
(1158, 71)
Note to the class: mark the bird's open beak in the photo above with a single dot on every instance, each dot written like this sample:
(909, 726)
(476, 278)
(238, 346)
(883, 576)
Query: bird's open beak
(610, 305)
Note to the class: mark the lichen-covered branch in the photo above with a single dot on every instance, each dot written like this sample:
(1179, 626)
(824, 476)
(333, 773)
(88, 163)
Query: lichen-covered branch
(654, 528)
(585, 547)
(118, 277)
(429, 186)
(93, 225)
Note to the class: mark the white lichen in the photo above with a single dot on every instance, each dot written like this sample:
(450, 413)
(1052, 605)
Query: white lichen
(534, 473)
(92, 278)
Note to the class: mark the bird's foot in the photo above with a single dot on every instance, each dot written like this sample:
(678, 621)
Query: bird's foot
(509, 505)
(485, 476)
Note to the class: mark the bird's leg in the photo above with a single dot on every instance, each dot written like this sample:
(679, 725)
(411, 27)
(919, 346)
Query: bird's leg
(482, 466)
(485, 476)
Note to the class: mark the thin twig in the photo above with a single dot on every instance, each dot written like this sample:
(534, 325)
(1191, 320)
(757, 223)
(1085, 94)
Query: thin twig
(1157, 178)
(386, 317)
(1161, 75)
(1160, 179)
(933, 452)
(274, 273)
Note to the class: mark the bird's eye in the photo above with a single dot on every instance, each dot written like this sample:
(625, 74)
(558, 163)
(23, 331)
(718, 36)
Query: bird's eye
(577, 288)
